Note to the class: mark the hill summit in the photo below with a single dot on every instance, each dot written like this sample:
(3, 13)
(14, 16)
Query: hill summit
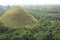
(17, 16)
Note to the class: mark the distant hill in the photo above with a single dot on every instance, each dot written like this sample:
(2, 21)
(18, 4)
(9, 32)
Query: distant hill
(43, 10)
(17, 16)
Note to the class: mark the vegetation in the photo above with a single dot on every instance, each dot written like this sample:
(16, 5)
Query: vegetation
(48, 27)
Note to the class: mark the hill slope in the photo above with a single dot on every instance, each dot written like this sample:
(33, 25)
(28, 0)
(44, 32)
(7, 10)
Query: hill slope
(17, 16)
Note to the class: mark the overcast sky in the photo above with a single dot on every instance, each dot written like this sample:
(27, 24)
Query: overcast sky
(28, 2)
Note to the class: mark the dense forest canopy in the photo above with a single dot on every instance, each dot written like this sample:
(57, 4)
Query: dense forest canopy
(48, 27)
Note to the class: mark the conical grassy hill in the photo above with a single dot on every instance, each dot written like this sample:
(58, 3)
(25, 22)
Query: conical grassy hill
(17, 16)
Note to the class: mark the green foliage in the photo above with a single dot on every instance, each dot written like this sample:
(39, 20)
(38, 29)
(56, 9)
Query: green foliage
(7, 33)
(48, 27)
